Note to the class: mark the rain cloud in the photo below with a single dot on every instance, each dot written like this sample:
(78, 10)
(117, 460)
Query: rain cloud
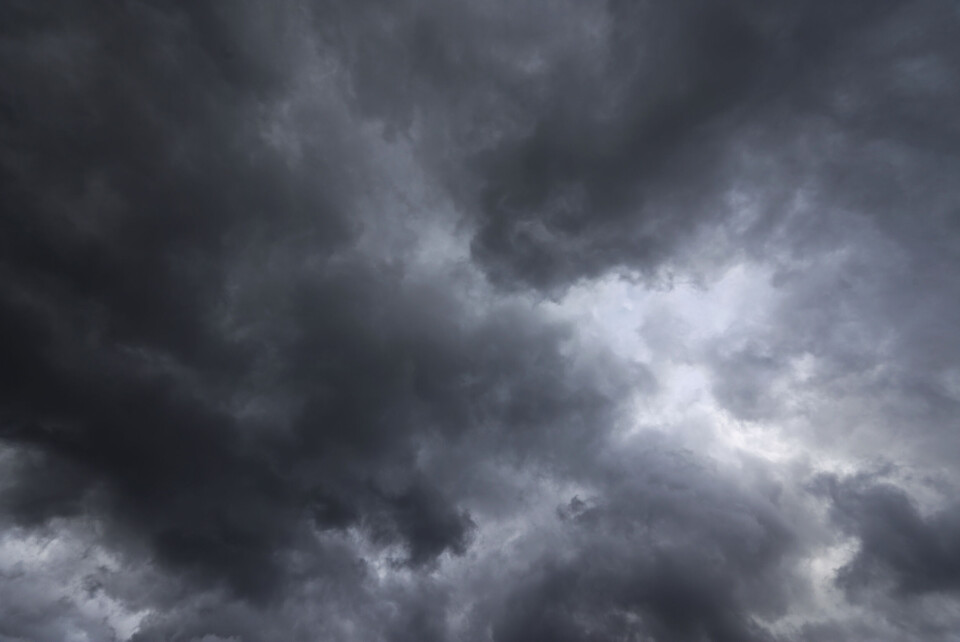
(485, 321)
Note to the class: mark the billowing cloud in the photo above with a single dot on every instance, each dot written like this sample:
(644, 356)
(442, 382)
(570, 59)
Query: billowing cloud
(479, 321)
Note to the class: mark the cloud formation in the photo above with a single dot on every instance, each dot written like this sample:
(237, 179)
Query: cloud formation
(490, 321)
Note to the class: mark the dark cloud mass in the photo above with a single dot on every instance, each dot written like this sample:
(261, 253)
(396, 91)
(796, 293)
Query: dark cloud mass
(483, 321)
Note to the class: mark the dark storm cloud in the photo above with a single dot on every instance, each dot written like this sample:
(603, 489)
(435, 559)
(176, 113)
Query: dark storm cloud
(223, 497)
(139, 186)
(903, 567)
(128, 162)
(666, 549)
(609, 148)
(221, 366)
(897, 545)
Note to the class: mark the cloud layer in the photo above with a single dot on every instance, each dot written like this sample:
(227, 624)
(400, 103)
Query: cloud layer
(494, 321)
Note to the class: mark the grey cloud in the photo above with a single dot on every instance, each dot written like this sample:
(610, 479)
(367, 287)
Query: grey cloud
(667, 549)
(142, 190)
(221, 369)
(915, 553)
(607, 150)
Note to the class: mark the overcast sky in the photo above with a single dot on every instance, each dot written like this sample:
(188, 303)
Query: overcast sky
(479, 320)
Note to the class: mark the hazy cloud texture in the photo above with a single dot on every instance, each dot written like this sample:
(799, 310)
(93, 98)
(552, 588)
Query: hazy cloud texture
(483, 321)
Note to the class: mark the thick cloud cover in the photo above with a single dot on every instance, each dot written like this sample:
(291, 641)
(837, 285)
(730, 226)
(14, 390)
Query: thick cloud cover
(506, 321)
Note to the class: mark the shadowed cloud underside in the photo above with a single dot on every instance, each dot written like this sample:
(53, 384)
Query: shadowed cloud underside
(497, 321)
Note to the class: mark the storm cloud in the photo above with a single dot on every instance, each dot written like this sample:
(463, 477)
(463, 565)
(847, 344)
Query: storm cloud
(493, 321)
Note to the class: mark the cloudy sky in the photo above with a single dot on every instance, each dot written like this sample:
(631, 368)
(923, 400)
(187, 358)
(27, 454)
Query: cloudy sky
(479, 320)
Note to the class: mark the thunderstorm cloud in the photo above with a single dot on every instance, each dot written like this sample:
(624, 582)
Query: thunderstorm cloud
(479, 320)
